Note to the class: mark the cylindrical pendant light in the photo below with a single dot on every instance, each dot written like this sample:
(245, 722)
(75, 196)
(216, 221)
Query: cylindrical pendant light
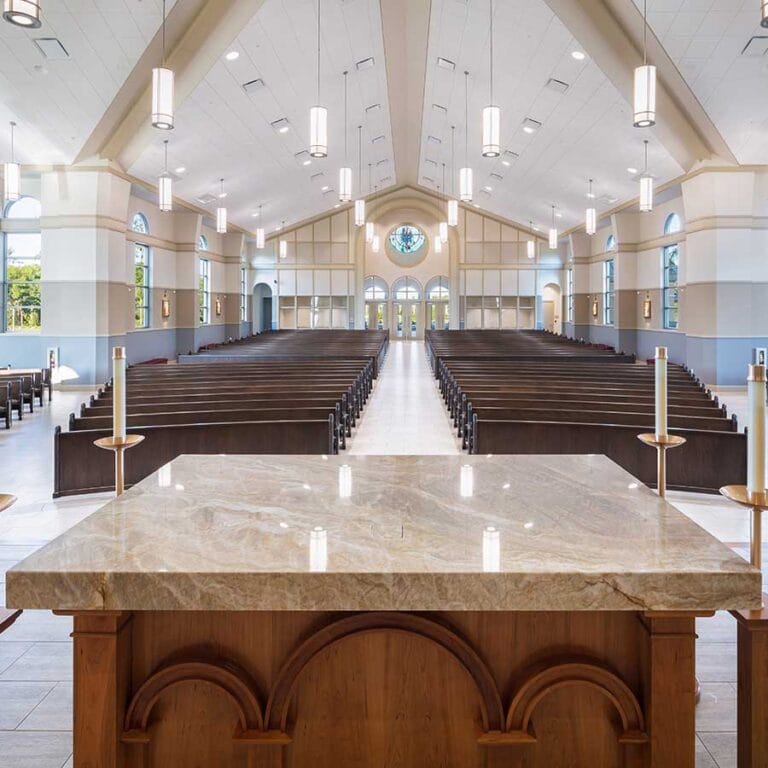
(221, 214)
(646, 186)
(590, 216)
(282, 245)
(345, 173)
(375, 243)
(260, 234)
(443, 231)
(764, 13)
(437, 244)
(465, 174)
(165, 186)
(318, 116)
(531, 244)
(645, 85)
(553, 232)
(491, 113)
(453, 204)
(369, 232)
(162, 91)
(11, 176)
(23, 13)
(360, 202)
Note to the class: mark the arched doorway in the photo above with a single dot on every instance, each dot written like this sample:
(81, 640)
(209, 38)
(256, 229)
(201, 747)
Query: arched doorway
(407, 310)
(376, 293)
(437, 294)
(551, 308)
(262, 308)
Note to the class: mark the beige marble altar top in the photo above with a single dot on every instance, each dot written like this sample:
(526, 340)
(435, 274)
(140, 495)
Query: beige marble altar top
(386, 533)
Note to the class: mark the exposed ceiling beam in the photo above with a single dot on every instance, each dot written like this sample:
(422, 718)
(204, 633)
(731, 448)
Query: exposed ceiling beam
(611, 32)
(197, 33)
(406, 35)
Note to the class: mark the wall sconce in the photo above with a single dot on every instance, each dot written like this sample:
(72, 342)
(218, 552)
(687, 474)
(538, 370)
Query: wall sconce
(165, 306)
(647, 307)
(594, 308)
(218, 306)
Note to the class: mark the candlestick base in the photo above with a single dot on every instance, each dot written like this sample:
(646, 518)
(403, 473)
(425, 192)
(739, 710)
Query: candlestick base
(6, 499)
(758, 503)
(119, 445)
(662, 443)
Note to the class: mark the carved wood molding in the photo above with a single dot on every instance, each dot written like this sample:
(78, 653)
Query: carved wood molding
(539, 685)
(282, 692)
(225, 676)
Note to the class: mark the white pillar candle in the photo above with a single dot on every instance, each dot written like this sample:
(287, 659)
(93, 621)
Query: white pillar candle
(661, 391)
(118, 392)
(756, 429)
(491, 550)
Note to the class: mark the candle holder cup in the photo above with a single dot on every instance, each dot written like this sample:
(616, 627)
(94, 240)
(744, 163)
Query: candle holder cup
(662, 443)
(757, 502)
(119, 445)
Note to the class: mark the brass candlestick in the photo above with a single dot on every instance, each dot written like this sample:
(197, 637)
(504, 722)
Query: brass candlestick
(662, 443)
(6, 499)
(119, 446)
(757, 502)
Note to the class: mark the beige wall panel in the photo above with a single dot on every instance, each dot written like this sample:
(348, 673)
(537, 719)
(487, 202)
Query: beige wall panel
(509, 253)
(304, 284)
(322, 282)
(509, 234)
(340, 253)
(527, 282)
(322, 229)
(491, 282)
(340, 227)
(473, 253)
(491, 230)
(304, 234)
(287, 282)
(509, 282)
(340, 282)
(491, 253)
(474, 282)
(473, 227)
(305, 253)
(322, 253)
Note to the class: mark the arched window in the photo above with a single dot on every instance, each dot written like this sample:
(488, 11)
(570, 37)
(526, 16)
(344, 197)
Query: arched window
(610, 243)
(406, 289)
(375, 288)
(672, 224)
(23, 208)
(438, 289)
(202, 243)
(140, 224)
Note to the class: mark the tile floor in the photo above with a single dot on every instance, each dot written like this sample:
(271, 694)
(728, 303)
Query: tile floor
(404, 415)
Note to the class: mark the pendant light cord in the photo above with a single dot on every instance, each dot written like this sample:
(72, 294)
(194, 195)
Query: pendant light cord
(645, 32)
(369, 179)
(13, 154)
(491, 50)
(345, 116)
(443, 178)
(646, 156)
(453, 155)
(166, 155)
(553, 217)
(163, 59)
(466, 113)
(318, 52)
(360, 158)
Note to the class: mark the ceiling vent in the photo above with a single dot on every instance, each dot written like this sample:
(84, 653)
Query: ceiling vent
(431, 163)
(373, 108)
(51, 48)
(530, 125)
(558, 86)
(329, 191)
(282, 125)
(497, 176)
(364, 64)
(303, 157)
(318, 177)
(253, 86)
(377, 139)
(607, 200)
(445, 64)
(428, 179)
(206, 199)
(509, 157)
(756, 46)
(434, 140)
(382, 162)
(440, 109)
(386, 178)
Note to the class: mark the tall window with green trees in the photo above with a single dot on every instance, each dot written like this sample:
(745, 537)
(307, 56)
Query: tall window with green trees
(141, 270)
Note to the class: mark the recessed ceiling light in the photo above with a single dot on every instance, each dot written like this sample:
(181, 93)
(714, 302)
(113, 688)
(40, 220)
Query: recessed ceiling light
(303, 158)
(279, 227)
(633, 171)
(252, 86)
(496, 176)
(232, 55)
(434, 140)
(535, 229)
(508, 157)
(558, 215)
(477, 205)
(364, 64)
(316, 176)
(222, 195)
(255, 214)
(383, 162)
(488, 188)
(439, 108)
(386, 178)
(578, 55)
(530, 125)
(445, 63)
(377, 139)
(51, 48)
(337, 205)
(428, 179)
(324, 188)
(433, 163)
(282, 125)
(591, 195)
(373, 108)
(558, 86)
(181, 169)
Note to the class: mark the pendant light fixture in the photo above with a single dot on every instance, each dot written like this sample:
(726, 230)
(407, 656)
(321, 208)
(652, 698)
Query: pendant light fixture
(370, 230)
(282, 244)
(360, 202)
(345, 173)
(221, 214)
(491, 113)
(465, 174)
(645, 84)
(162, 91)
(437, 243)
(453, 204)
(646, 186)
(764, 13)
(318, 116)
(531, 244)
(443, 226)
(590, 216)
(22, 13)
(165, 186)
(553, 232)
(11, 176)
(260, 233)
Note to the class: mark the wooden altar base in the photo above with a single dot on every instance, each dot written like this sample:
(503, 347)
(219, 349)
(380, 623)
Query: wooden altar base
(380, 689)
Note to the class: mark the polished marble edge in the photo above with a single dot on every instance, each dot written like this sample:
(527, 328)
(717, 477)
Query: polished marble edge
(406, 536)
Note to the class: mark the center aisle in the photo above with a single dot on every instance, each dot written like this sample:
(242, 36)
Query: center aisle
(405, 413)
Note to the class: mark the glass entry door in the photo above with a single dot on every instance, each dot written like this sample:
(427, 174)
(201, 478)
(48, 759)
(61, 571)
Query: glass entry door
(438, 315)
(407, 323)
(375, 315)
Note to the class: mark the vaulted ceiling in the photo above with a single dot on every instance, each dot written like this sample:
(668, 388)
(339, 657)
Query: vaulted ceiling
(406, 61)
